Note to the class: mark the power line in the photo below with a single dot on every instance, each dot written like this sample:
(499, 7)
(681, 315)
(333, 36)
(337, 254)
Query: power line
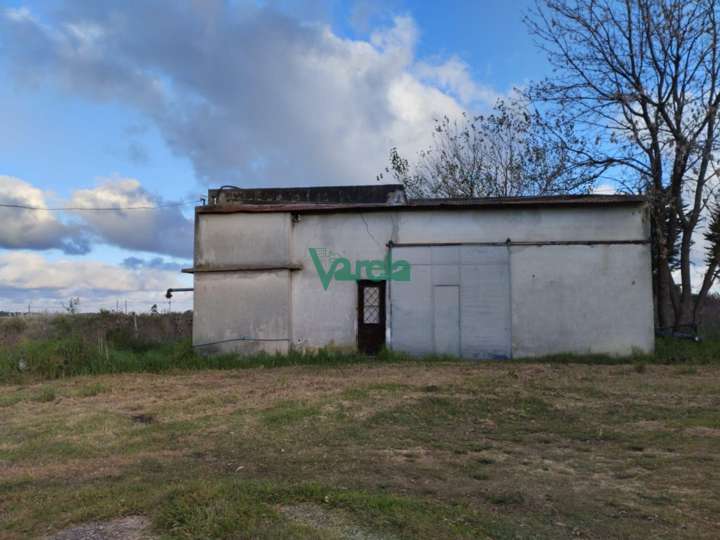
(96, 209)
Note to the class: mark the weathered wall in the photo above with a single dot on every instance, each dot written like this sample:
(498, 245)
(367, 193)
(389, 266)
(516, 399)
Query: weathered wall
(523, 225)
(242, 311)
(581, 299)
(458, 301)
(230, 239)
(321, 317)
(599, 297)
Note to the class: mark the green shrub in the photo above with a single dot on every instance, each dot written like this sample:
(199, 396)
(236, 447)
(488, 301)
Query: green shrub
(676, 351)
(125, 339)
(62, 325)
(48, 359)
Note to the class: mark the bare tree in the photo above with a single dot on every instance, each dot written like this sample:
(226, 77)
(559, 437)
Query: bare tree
(72, 305)
(640, 78)
(507, 153)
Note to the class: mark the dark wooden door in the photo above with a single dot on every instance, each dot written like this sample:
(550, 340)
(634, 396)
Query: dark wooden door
(371, 316)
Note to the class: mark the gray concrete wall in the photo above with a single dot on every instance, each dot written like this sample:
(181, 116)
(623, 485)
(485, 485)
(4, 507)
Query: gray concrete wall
(241, 312)
(581, 299)
(231, 239)
(521, 225)
(478, 325)
(564, 298)
(329, 317)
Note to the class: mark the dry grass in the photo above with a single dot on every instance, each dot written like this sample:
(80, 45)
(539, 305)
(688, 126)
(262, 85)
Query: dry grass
(374, 451)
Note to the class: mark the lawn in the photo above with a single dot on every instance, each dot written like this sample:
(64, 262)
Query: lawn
(366, 451)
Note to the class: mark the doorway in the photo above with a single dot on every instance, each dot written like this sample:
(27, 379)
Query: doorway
(371, 316)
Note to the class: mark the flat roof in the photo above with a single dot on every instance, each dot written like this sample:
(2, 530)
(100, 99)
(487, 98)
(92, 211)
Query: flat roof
(555, 201)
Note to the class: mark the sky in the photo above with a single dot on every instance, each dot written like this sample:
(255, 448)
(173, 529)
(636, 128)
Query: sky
(148, 103)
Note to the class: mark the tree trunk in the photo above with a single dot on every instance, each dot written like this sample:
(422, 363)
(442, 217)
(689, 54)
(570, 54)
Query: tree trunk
(663, 283)
(664, 294)
(684, 316)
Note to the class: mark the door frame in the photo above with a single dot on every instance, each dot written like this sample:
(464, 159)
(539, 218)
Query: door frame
(371, 336)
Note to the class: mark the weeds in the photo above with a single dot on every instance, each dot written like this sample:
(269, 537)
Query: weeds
(71, 356)
(228, 509)
(122, 353)
(45, 395)
(677, 351)
(92, 390)
(288, 412)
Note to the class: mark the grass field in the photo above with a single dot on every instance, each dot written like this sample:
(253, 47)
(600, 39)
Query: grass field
(366, 451)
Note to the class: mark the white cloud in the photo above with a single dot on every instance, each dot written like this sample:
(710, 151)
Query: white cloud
(33, 271)
(605, 189)
(30, 278)
(18, 14)
(34, 229)
(250, 95)
(163, 230)
(453, 76)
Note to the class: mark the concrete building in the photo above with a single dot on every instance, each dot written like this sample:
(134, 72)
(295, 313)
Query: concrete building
(361, 266)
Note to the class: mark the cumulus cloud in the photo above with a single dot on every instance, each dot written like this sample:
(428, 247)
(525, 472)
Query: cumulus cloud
(30, 278)
(158, 227)
(157, 263)
(249, 94)
(162, 230)
(34, 229)
(453, 76)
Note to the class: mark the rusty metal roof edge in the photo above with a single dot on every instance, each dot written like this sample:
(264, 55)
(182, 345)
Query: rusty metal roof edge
(429, 204)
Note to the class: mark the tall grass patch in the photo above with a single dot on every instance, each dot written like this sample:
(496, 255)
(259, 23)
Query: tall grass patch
(121, 353)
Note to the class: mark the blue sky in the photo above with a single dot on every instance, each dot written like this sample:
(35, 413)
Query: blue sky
(135, 103)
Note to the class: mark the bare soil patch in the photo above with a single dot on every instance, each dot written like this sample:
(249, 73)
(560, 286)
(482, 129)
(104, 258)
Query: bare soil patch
(126, 528)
